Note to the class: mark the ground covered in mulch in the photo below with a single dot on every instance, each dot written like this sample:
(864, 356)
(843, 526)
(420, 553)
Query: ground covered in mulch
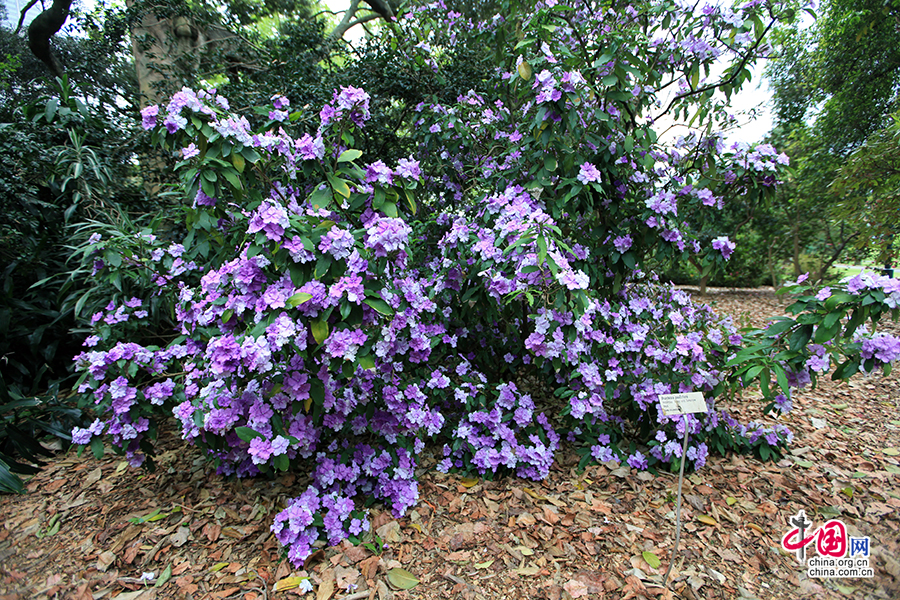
(90, 529)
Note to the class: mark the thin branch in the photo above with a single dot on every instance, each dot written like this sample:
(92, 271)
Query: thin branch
(734, 75)
(342, 27)
(365, 19)
(22, 15)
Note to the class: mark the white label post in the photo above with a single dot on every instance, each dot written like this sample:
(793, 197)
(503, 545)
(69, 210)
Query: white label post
(680, 404)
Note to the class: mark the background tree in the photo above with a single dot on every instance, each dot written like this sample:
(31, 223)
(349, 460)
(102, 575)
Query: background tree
(835, 86)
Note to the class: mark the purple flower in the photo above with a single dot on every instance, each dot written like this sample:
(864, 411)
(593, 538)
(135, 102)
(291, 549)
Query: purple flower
(408, 169)
(637, 461)
(280, 102)
(174, 123)
(202, 199)
(355, 102)
(706, 197)
(622, 243)
(345, 343)
(723, 245)
(588, 173)
(574, 280)
(260, 450)
(224, 354)
(279, 445)
(783, 403)
(883, 347)
(337, 242)
(271, 218)
(190, 152)
(148, 116)
(818, 363)
(385, 235)
(378, 172)
(310, 148)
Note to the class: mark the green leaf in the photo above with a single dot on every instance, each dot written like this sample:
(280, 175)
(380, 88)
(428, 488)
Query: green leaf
(542, 250)
(779, 325)
(525, 71)
(764, 381)
(800, 337)
(250, 154)
(751, 373)
(97, 447)
(9, 482)
(401, 578)
(164, 577)
(53, 525)
(651, 559)
(298, 299)
(836, 299)
(781, 377)
(339, 185)
(50, 109)
(349, 155)
(233, 179)
(319, 330)
(282, 462)
(149, 517)
(238, 161)
(380, 306)
(411, 201)
(321, 197)
(247, 434)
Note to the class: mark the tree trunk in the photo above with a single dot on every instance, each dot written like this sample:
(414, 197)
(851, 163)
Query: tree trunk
(166, 57)
(770, 261)
(796, 253)
(704, 279)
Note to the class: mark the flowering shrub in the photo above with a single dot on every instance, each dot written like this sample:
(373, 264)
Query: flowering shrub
(355, 311)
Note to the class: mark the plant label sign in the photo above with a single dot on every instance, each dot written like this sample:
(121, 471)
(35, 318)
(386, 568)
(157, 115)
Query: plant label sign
(680, 404)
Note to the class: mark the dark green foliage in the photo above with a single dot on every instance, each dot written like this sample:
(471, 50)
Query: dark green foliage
(26, 421)
(745, 269)
(845, 69)
(63, 162)
(835, 87)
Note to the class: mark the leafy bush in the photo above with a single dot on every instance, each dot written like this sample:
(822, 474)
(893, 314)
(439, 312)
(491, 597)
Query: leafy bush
(351, 312)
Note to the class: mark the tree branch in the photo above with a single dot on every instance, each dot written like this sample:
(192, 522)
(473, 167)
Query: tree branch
(42, 28)
(23, 13)
(342, 27)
